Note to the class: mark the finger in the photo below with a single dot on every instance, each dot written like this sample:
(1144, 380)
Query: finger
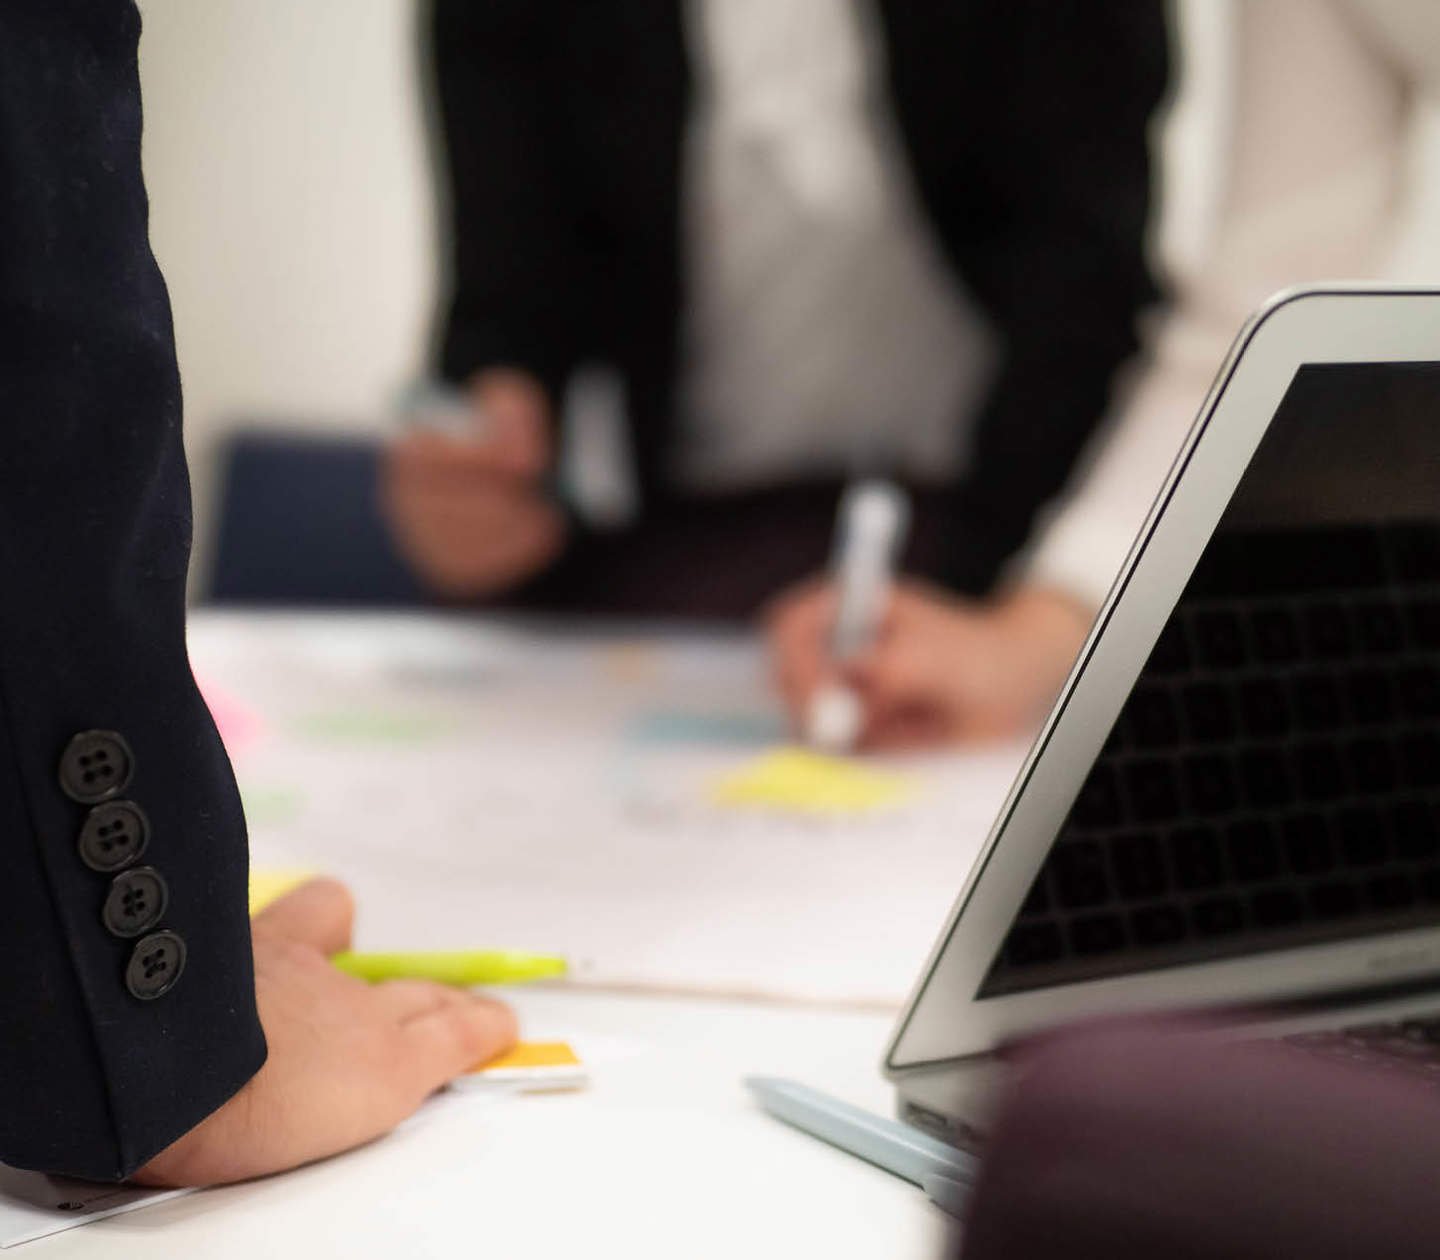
(404, 1000)
(518, 442)
(443, 1043)
(513, 543)
(515, 409)
(802, 610)
(320, 913)
(798, 676)
(437, 458)
(485, 511)
(906, 728)
(797, 635)
(888, 675)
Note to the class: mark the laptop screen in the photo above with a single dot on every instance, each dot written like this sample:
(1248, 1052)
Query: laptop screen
(1274, 777)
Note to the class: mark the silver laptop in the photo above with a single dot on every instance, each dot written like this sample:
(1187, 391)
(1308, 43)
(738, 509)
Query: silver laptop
(1235, 803)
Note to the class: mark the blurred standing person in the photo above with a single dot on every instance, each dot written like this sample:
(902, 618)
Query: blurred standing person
(811, 237)
(1330, 103)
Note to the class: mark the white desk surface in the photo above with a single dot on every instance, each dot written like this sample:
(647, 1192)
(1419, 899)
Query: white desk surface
(664, 1154)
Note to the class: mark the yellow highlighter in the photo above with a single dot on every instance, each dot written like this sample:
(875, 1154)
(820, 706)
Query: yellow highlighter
(462, 968)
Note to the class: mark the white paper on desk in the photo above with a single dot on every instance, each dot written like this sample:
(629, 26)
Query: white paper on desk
(34, 1205)
(563, 805)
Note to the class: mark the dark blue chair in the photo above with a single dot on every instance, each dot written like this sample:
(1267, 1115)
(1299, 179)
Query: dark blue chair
(300, 525)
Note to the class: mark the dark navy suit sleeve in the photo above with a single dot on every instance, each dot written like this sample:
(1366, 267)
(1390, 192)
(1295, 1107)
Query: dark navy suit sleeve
(126, 982)
(1037, 173)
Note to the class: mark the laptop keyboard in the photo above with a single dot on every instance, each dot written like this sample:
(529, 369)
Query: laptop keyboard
(1275, 773)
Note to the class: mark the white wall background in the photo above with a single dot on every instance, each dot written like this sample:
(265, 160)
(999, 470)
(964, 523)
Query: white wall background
(292, 208)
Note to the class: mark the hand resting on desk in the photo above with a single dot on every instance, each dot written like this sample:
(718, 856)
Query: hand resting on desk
(942, 669)
(348, 1061)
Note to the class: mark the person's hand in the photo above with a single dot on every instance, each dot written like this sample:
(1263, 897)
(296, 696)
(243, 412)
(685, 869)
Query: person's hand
(348, 1061)
(941, 669)
(471, 516)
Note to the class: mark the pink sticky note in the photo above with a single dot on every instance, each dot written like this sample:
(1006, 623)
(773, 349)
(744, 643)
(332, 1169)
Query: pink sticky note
(239, 725)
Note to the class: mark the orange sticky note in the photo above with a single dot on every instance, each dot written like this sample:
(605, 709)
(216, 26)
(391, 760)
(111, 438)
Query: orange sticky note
(533, 1065)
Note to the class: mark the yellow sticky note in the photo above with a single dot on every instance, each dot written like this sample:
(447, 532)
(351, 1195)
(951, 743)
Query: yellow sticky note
(799, 780)
(267, 886)
(533, 1065)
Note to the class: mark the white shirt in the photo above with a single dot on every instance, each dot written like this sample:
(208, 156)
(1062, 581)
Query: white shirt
(825, 331)
(1333, 174)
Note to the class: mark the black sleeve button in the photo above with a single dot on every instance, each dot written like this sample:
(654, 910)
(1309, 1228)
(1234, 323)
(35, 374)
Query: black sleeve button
(155, 965)
(95, 766)
(114, 835)
(136, 901)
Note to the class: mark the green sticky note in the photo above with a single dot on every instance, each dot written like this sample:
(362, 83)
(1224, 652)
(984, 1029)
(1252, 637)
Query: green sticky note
(372, 726)
(267, 806)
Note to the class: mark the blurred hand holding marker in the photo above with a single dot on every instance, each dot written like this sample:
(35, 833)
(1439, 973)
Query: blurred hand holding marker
(872, 522)
(467, 487)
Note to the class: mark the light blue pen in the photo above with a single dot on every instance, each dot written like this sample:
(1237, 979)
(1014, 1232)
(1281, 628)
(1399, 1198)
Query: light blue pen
(945, 1172)
(948, 1196)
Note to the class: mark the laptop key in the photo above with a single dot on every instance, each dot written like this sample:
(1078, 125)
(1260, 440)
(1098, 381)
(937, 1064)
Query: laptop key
(1334, 900)
(1152, 790)
(1092, 934)
(1196, 859)
(1417, 833)
(1415, 551)
(1079, 875)
(1420, 758)
(1264, 708)
(1276, 636)
(1319, 772)
(1218, 916)
(1098, 804)
(1327, 631)
(1276, 907)
(1034, 943)
(1374, 765)
(1370, 696)
(1158, 925)
(1151, 719)
(1318, 705)
(1378, 627)
(1254, 854)
(1390, 892)
(1209, 786)
(1037, 900)
(1265, 778)
(1209, 713)
(1419, 688)
(1219, 639)
(1307, 844)
(1171, 654)
(1423, 619)
(1363, 837)
(1138, 866)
